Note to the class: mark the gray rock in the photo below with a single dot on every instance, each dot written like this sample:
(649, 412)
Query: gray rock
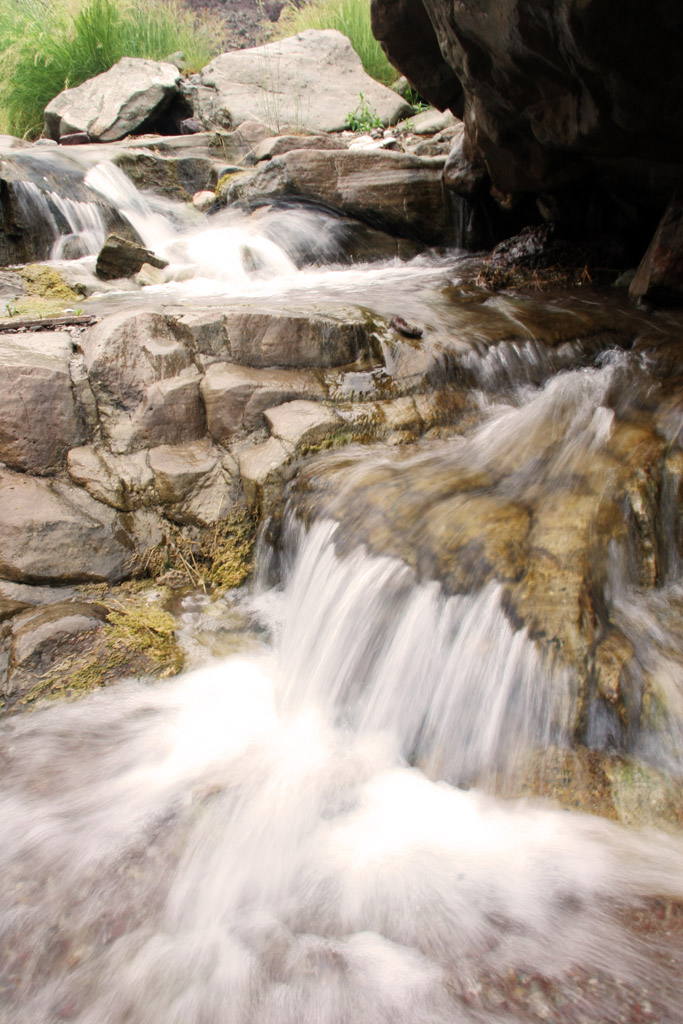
(115, 103)
(563, 93)
(52, 532)
(235, 397)
(274, 338)
(280, 144)
(39, 420)
(171, 411)
(659, 277)
(9, 607)
(179, 469)
(119, 257)
(193, 482)
(463, 177)
(288, 83)
(203, 200)
(429, 121)
(120, 481)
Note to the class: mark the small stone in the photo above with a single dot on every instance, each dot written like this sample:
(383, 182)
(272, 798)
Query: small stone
(119, 257)
(74, 139)
(203, 201)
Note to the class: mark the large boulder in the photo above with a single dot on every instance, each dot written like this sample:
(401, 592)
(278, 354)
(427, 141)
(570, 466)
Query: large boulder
(110, 106)
(551, 93)
(39, 418)
(289, 83)
(396, 192)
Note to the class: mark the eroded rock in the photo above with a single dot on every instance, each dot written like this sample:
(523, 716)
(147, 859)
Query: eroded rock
(397, 192)
(236, 397)
(143, 378)
(302, 423)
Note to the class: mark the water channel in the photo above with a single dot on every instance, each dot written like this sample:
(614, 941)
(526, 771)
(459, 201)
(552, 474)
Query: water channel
(319, 828)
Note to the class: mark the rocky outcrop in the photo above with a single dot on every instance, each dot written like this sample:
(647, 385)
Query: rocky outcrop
(124, 99)
(288, 84)
(52, 532)
(554, 94)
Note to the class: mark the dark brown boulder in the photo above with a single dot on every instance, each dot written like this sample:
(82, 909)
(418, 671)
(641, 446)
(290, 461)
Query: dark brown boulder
(119, 257)
(552, 93)
(659, 277)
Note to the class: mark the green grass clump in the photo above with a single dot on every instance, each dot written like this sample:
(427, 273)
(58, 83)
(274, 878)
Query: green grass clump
(50, 45)
(352, 18)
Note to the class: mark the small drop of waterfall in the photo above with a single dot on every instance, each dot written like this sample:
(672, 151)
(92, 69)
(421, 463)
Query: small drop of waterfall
(72, 223)
(460, 691)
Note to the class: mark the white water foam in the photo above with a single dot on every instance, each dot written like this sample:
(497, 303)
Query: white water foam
(240, 845)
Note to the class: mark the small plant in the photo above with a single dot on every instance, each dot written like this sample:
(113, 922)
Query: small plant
(11, 309)
(364, 118)
(413, 97)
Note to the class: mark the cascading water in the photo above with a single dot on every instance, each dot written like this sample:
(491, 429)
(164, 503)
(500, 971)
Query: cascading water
(73, 223)
(289, 837)
(248, 843)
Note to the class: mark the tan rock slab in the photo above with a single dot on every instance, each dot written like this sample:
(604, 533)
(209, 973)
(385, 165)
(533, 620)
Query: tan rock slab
(265, 469)
(300, 422)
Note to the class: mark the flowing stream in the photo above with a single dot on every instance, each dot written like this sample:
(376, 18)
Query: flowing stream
(306, 833)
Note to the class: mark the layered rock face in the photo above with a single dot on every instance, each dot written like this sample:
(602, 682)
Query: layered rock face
(552, 93)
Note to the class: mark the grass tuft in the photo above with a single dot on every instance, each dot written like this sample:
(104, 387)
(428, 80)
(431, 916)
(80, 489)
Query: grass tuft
(50, 45)
(352, 18)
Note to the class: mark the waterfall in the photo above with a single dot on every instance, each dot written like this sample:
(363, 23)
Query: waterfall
(70, 222)
(249, 842)
(459, 690)
(314, 832)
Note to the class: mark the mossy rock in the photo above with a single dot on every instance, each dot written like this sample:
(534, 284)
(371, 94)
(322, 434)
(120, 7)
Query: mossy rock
(138, 639)
(46, 293)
